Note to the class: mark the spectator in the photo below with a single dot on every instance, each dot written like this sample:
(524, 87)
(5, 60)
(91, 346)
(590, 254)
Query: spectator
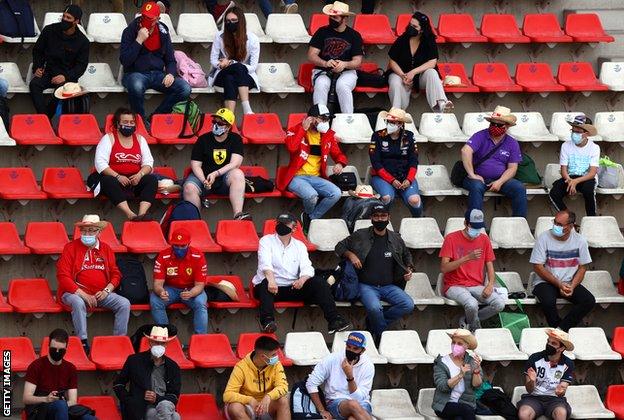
(87, 274)
(215, 165)
(394, 159)
(383, 264)
(180, 276)
(579, 166)
(61, 54)
(219, 10)
(309, 144)
(413, 64)
(51, 383)
(560, 257)
(496, 173)
(4, 87)
(368, 6)
(234, 59)
(348, 380)
(285, 273)
(465, 253)
(336, 51)
(456, 377)
(548, 374)
(124, 164)
(146, 53)
(154, 381)
(246, 397)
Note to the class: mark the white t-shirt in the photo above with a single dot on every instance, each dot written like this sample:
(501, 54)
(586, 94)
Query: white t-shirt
(579, 159)
(458, 389)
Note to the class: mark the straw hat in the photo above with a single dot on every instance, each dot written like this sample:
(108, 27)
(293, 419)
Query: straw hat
(585, 123)
(466, 336)
(396, 114)
(363, 191)
(228, 288)
(89, 220)
(337, 8)
(502, 114)
(69, 90)
(453, 81)
(159, 335)
(562, 336)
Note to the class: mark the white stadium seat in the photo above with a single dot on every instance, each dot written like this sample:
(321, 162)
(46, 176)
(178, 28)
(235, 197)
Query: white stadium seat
(25, 40)
(419, 289)
(513, 283)
(440, 287)
(439, 343)
(612, 75)
(393, 404)
(11, 73)
(433, 180)
(533, 340)
(602, 232)
(453, 224)
(543, 224)
(474, 121)
(591, 344)
(518, 392)
(586, 403)
(371, 350)
(326, 233)
(600, 284)
(620, 188)
(366, 223)
(552, 172)
(418, 138)
(349, 168)
(441, 128)
(425, 400)
(99, 78)
(403, 347)
(511, 232)
(197, 27)
(287, 29)
(421, 233)
(530, 126)
(254, 26)
(352, 128)
(29, 76)
(106, 28)
(277, 78)
(5, 139)
(497, 345)
(55, 17)
(305, 348)
(610, 125)
(559, 125)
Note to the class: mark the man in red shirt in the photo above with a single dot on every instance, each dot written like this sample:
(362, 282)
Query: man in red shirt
(465, 254)
(180, 276)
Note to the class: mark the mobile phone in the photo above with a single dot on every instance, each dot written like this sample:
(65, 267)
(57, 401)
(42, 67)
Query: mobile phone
(61, 395)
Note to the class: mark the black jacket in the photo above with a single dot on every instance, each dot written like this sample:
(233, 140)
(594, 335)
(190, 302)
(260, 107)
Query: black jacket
(134, 57)
(61, 54)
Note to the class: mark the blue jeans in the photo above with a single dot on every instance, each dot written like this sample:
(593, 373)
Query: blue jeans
(58, 410)
(379, 318)
(116, 303)
(387, 190)
(197, 305)
(309, 189)
(4, 87)
(512, 189)
(137, 83)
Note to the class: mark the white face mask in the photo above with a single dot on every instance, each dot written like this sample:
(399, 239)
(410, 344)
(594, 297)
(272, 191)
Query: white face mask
(158, 351)
(322, 127)
(392, 127)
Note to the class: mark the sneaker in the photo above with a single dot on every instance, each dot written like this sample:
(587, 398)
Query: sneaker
(305, 221)
(268, 327)
(463, 324)
(86, 347)
(338, 325)
(221, 10)
(291, 8)
(242, 216)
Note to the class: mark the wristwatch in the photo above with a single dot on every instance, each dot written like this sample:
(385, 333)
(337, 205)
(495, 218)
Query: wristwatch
(107, 290)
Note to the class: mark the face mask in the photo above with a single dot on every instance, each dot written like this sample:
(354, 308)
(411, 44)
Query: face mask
(557, 230)
(282, 229)
(180, 252)
(577, 138)
(272, 361)
(352, 356)
(127, 130)
(231, 26)
(335, 23)
(57, 354)
(380, 224)
(88, 240)
(65, 25)
(497, 131)
(157, 351)
(473, 233)
(322, 127)
(392, 128)
(550, 350)
(218, 130)
(458, 350)
(411, 31)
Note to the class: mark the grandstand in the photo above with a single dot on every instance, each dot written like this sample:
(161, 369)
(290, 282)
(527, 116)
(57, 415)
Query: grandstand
(546, 60)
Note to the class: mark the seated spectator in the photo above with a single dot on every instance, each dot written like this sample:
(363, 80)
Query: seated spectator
(146, 54)
(154, 380)
(394, 161)
(4, 87)
(456, 377)
(309, 145)
(51, 383)
(87, 274)
(180, 276)
(215, 165)
(234, 59)
(548, 374)
(118, 5)
(560, 257)
(61, 54)
(579, 166)
(413, 64)
(220, 10)
(123, 164)
(336, 51)
(245, 399)
(465, 254)
(496, 173)
(347, 380)
(285, 273)
(383, 265)
(368, 6)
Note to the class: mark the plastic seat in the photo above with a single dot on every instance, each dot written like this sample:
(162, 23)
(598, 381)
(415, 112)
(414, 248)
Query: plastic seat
(441, 128)
(579, 77)
(591, 343)
(64, 183)
(453, 224)
(140, 128)
(5, 139)
(33, 130)
(511, 232)
(543, 224)
(197, 27)
(106, 235)
(544, 28)
(434, 180)
(352, 128)
(612, 75)
(11, 73)
(533, 340)
(244, 301)
(375, 29)
(370, 67)
(237, 236)
(326, 233)
(418, 138)
(54, 17)
(602, 232)
(425, 400)
(75, 353)
(502, 29)
(45, 237)
(19, 184)
(166, 20)
(403, 20)
(211, 351)
(32, 296)
(287, 29)
(338, 346)
(586, 403)
(295, 119)
(474, 121)
(366, 223)
(106, 28)
(530, 126)
(246, 343)
(263, 128)
(390, 404)
(317, 21)
(22, 352)
(456, 69)
(200, 234)
(421, 233)
(277, 78)
(167, 128)
(610, 125)
(99, 78)
(615, 400)
(254, 26)
(513, 284)
(497, 344)
(537, 77)
(304, 77)
(559, 125)
(5, 308)
(493, 77)
(79, 129)
(104, 405)
(305, 348)
(439, 343)
(174, 351)
(269, 228)
(109, 352)
(403, 348)
(439, 291)
(348, 168)
(586, 27)
(600, 284)
(552, 172)
(143, 237)
(198, 407)
(25, 40)
(459, 28)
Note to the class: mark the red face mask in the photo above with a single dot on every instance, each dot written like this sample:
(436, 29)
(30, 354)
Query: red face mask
(497, 131)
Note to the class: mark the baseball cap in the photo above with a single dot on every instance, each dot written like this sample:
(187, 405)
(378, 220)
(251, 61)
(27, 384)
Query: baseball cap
(319, 110)
(150, 10)
(285, 218)
(180, 237)
(475, 218)
(379, 208)
(74, 10)
(356, 339)
(226, 115)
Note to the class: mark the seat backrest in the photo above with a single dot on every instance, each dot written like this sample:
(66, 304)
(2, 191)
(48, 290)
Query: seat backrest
(534, 73)
(352, 126)
(267, 124)
(497, 25)
(475, 121)
(552, 172)
(275, 75)
(106, 24)
(425, 401)
(304, 78)
(439, 125)
(11, 73)
(510, 230)
(318, 20)
(392, 403)
(326, 233)
(305, 345)
(62, 179)
(612, 73)
(545, 24)
(601, 230)
(29, 290)
(457, 24)
(288, 26)
(600, 283)
(576, 73)
(529, 123)
(512, 281)
(543, 224)
(98, 75)
(433, 178)
(610, 123)
(199, 25)
(489, 74)
(17, 179)
(453, 69)
(198, 407)
(583, 24)
(419, 287)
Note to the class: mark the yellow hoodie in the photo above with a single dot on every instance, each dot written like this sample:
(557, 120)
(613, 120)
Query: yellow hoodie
(247, 382)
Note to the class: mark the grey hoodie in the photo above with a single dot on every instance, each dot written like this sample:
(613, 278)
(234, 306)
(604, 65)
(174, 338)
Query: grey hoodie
(442, 395)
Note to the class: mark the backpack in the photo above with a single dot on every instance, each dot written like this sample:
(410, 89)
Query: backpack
(192, 115)
(301, 404)
(133, 285)
(499, 404)
(527, 173)
(258, 185)
(356, 209)
(190, 70)
(182, 210)
(346, 288)
(16, 19)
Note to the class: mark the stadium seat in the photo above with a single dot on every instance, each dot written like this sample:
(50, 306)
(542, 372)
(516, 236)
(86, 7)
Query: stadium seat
(403, 347)
(269, 228)
(433, 180)
(552, 172)
(586, 27)
(602, 232)
(591, 343)
(366, 223)
(418, 138)
(166, 20)
(533, 340)
(64, 183)
(348, 168)
(244, 300)
(544, 28)
(109, 352)
(45, 237)
(237, 236)
(99, 78)
(5, 139)
(326, 233)
(106, 235)
(263, 128)
(403, 20)
(75, 353)
(253, 25)
(22, 352)
(537, 77)
(453, 224)
(338, 346)
(105, 406)
(611, 74)
(5, 308)
(200, 234)
(305, 348)
(295, 119)
(174, 351)
(277, 78)
(610, 125)
(530, 127)
(456, 69)
(106, 28)
(388, 404)
(511, 233)
(318, 20)
(375, 29)
(28, 296)
(280, 173)
(425, 400)
(246, 343)
(20, 40)
(421, 233)
(54, 17)
(304, 77)
(497, 345)
(513, 284)
(19, 184)
(439, 343)
(33, 130)
(287, 29)
(586, 403)
(543, 224)
(11, 73)
(459, 28)
(579, 77)
(140, 128)
(352, 128)
(439, 292)
(198, 407)
(502, 29)
(531, 282)
(600, 284)
(143, 237)
(197, 27)
(615, 400)
(474, 121)
(167, 128)
(79, 129)
(211, 351)
(560, 127)
(441, 128)
(493, 77)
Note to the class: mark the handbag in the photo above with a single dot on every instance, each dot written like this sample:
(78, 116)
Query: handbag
(257, 185)
(76, 411)
(515, 322)
(527, 173)
(345, 181)
(458, 173)
(375, 79)
(608, 173)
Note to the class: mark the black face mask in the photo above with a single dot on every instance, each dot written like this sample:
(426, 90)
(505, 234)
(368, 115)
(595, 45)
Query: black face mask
(335, 23)
(352, 357)
(65, 25)
(380, 224)
(231, 26)
(127, 130)
(282, 229)
(550, 350)
(57, 354)
(411, 31)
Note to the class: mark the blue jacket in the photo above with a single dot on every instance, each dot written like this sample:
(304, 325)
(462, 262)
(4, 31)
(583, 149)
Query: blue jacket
(393, 159)
(134, 57)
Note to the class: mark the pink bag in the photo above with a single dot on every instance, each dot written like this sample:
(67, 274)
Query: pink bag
(190, 70)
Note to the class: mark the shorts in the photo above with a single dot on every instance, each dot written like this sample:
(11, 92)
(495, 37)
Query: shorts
(544, 405)
(332, 407)
(250, 412)
(219, 187)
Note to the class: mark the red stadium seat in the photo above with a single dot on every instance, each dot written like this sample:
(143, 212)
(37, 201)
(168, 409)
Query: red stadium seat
(10, 242)
(79, 129)
(304, 78)
(110, 352)
(586, 27)
(280, 174)
(106, 235)
(618, 340)
(200, 234)
(45, 237)
(318, 20)
(174, 352)
(141, 129)
(263, 128)
(104, 405)
(5, 308)
(370, 67)
(456, 69)
(295, 119)
(198, 407)
(544, 28)
(143, 237)
(30, 296)
(33, 129)
(537, 77)
(404, 19)
(493, 77)
(170, 173)
(459, 28)
(269, 227)
(375, 29)
(502, 29)
(64, 183)
(75, 353)
(244, 301)
(237, 236)
(22, 352)
(211, 351)
(19, 184)
(262, 172)
(246, 342)
(167, 127)
(614, 400)
(579, 77)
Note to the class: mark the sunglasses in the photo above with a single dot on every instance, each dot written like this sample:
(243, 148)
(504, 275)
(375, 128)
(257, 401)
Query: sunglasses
(499, 125)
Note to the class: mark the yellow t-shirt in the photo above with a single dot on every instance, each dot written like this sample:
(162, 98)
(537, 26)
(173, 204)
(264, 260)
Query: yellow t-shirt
(312, 166)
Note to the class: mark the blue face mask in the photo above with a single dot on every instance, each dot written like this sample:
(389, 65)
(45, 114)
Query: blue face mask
(180, 252)
(557, 230)
(273, 360)
(473, 233)
(577, 138)
(88, 240)
(218, 130)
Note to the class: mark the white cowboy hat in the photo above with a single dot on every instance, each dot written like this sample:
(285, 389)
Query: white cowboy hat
(228, 288)
(451, 80)
(466, 336)
(159, 335)
(69, 90)
(363, 191)
(562, 336)
(585, 123)
(396, 114)
(337, 8)
(502, 114)
(91, 220)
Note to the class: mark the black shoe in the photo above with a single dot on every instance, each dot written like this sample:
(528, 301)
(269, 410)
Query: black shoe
(305, 221)
(86, 347)
(338, 325)
(242, 216)
(268, 327)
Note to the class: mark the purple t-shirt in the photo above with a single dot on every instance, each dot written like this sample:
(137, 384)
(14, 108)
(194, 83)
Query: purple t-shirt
(495, 165)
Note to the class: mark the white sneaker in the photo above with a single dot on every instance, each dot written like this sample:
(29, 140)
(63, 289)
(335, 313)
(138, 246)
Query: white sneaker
(291, 8)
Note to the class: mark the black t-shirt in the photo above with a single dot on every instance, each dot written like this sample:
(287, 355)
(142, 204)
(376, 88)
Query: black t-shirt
(378, 267)
(336, 45)
(215, 155)
(400, 52)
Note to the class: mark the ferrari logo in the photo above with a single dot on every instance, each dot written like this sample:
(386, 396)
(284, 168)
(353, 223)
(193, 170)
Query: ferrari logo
(189, 271)
(219, 156)
(179, 237)
(148, 7)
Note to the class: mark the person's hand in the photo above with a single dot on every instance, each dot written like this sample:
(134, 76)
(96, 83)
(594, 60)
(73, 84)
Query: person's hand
(572, 183)
(465, 368)
(124, 180)
(101, 295)
(134, 179)
(495, 186)
(487, 291)
(307, 123)
(408, 274)
(272, 287)
(475, 254)
(58, 80)
(347, 368)
(355, 261)
(476, 364)
(405, 184)
(338, 169)
(38, 72)
(164, 295)
(90, 300)
(397, 184)
(560, 390)
(331, 63)
(253, 404)
(339, 66)
(168, 80)
(52, 396)
(477, 177)
(263, 406)
(142, 35)
(210, 179)
(150, 396)
(186, 294)
(566, 289)
(532, 375)
(298, 284)
(326, 415)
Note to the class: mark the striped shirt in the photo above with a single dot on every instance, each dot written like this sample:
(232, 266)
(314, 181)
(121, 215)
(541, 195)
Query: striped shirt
(561, 258)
